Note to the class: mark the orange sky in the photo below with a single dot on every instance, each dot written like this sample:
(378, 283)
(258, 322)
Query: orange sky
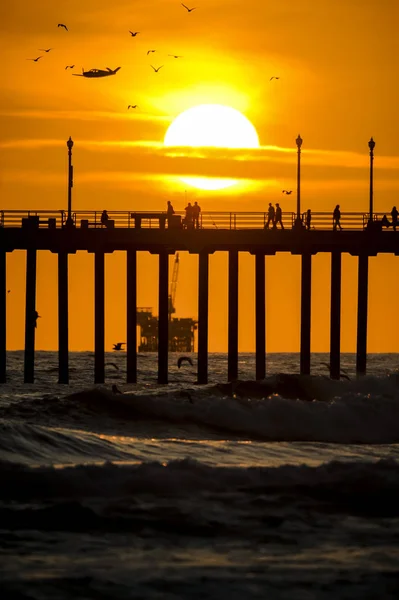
(337, 63)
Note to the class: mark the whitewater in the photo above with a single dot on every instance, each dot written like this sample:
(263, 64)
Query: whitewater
(286, 488)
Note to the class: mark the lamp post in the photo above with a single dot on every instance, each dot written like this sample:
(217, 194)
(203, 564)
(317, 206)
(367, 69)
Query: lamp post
(371, 146)
(70, 181)
(298, 220)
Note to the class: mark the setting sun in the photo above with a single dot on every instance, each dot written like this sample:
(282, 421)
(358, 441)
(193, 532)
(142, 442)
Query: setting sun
(211, 126)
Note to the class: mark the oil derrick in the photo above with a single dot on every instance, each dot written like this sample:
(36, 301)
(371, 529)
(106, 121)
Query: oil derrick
(181, 331)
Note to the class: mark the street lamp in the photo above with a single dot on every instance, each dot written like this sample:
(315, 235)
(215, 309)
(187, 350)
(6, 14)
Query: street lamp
(371, 146)
(298, 220)
(70, 181)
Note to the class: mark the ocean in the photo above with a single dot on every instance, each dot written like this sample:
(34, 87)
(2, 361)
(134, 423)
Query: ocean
(281, 489)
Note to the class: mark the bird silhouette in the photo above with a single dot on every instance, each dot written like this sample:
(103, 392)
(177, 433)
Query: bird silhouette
(148, 51)
(274, 78)
(133, 33)
(118, 346)
(132, 106)
(69, 67)
(157, 69)
(35, 59)
(175, 55)
(44, 50)
(288, 192)
(62, 25)
(188, 9)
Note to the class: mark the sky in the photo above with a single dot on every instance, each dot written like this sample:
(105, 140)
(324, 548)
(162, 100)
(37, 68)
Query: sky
(337, 87)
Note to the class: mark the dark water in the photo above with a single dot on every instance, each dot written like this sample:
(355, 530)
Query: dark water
(283, 489)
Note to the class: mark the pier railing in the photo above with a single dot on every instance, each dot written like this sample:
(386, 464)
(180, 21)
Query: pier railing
(350, 221)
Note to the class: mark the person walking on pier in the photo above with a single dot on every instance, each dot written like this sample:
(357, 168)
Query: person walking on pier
(278, 217)
(307, 218)
(394, 215)
(196, 214)
(270, 216)
(104, 219)
(188, 221)
(337, 218)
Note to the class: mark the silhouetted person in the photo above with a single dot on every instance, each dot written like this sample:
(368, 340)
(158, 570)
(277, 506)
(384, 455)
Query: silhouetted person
(337, 218)
(196, 214)
(394, 215)
(189, 216)
(104, 218)
(308, 218)
(385, 222)
(270, 215)
(36, 317)
(278, 216)
(170, 210)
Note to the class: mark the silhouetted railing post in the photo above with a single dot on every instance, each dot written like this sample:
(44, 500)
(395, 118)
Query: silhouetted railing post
(30, 316)
(306, 299)
(63, 358)
(260, 316)
(203, 302)
(3, 304)
(362, 302)
(232, 357)
(131, 339)
(163, 319)
(335, 322)
(99, 317)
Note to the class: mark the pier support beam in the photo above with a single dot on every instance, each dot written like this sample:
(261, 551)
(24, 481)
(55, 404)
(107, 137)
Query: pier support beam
(362, 301)
(260, 316)
(3, 296)
(99, 316)
(306, 298)
(203, 303)
(163, 319)
(335, 322)
(30, 316)
(131, 325)
(232, 358)
(63, 358)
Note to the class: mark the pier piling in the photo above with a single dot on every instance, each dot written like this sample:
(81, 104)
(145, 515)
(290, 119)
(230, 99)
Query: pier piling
(63, 357)
(99, 316)
(335, 316)
(30, 316)
(362, 302)
(131, 339)
(203, 305)
(260, 316)
(232, 358)
(306, 300)
(3, 325)
(163, 322)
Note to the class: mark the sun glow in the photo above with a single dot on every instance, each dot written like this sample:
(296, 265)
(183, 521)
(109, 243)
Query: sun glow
(214, 126)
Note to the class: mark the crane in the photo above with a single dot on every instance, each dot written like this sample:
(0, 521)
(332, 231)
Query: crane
(173, 287)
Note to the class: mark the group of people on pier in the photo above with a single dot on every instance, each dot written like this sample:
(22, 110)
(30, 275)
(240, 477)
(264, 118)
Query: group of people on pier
(192, 218)
(274, 216)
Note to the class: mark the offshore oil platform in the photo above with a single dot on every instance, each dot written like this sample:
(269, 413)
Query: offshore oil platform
(181, 331)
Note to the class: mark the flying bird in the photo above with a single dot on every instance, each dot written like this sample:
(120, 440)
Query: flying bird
(118, 346)
(69, 67)
(288, 192)
(35, 59)
(148, 51)
(133, 33)
(175, 55)
(62, 25)
(156, 70)
(274, 78)
(132, 106)
(182, 359)
(44, 50)
(188, 9)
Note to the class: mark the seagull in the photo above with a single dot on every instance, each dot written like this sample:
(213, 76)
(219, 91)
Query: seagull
(156, 70)
(182, 359)
(62, 25)
(274, 78)
(175, 55)
(118, 346)
(35, 59)
(133, 33)
(69, 67)
(188, 9)
(132, 106)
(148, 51)
(44, 50)
(288, 192)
